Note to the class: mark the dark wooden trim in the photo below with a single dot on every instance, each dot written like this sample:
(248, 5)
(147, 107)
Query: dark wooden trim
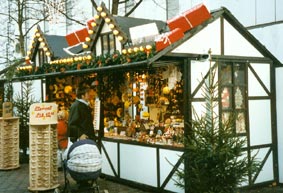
(171, 173)
(261, 166)
(259, 97)
(274, 123)
(187, 110)
(222, 32)
(109, 160)
(158, 167)
(118, 159)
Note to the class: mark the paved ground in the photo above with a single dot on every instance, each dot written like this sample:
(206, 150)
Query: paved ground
(17, 181)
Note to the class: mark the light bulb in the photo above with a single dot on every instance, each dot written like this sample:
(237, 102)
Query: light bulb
(99, 8)
(115, 32)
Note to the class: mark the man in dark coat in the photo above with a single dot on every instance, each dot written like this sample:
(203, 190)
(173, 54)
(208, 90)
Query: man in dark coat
(80, 122)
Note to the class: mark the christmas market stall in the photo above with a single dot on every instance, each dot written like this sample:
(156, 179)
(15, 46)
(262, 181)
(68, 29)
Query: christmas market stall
(148, 76)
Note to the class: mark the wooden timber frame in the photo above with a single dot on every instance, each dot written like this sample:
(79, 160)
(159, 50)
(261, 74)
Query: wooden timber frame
(183, 60)
(259, 72)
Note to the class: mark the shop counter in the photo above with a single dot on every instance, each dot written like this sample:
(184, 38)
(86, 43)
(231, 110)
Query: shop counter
(146, 164)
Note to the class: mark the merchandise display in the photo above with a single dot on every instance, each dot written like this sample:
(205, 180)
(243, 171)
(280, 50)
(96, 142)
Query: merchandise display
(148, 108)
(43, 168)
(140, 105)
(9, 143)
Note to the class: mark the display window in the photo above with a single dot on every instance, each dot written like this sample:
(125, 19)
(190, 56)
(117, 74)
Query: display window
(144, 106)
(233, 86)
(138, 105)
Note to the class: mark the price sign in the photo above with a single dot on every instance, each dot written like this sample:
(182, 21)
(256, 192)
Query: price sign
(7, 109)
(43, 113)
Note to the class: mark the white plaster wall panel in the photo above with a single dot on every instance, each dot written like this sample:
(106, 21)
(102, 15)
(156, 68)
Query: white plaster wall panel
(260, 122)
(167, 158)
(208, 38)
(198, 71)
(235, 44)
(266, 174)
(255, 88)
(271, 38)
(118, 45)
(198, 108)
(111, 149)
(98, 47)
(279, 98)
(138, 164)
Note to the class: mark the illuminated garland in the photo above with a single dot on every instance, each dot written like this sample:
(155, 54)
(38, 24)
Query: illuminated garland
(89, 61)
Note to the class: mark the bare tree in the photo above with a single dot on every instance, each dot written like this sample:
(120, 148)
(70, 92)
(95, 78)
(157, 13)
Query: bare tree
(23, 15)
(21, 21)
(121, 3)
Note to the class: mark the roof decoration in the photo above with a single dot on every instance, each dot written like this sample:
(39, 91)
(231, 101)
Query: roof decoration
(38, 41)
(110, 20)
(82, 36)
(77, 37)
(182, 23)
(177, 33)
(85, 35)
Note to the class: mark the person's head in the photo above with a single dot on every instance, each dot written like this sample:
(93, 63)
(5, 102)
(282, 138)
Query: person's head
(85, 92)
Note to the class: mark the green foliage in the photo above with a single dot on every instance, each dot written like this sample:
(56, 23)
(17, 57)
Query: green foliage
(22, 102)
(215, 160)
(115, 58)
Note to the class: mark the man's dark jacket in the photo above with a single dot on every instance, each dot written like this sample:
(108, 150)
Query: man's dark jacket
(80, 121)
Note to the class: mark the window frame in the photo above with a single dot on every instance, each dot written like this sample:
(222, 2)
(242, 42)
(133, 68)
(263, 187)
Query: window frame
(235, 97)
(106, 37)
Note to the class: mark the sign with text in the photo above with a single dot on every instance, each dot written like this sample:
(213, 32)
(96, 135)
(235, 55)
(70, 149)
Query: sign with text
(43, 113)
(7, 109)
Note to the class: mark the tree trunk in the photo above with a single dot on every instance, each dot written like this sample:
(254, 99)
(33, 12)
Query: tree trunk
(115, 5)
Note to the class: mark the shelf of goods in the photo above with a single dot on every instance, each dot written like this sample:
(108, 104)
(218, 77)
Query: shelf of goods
(9, 143)
(43, 171)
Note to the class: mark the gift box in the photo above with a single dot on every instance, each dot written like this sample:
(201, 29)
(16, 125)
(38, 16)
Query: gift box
(72, 39)
(168, 38)
(197, 15)
(88, 23)
(82, 34)
(76, 37)
(189, 19)
(179, 22)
